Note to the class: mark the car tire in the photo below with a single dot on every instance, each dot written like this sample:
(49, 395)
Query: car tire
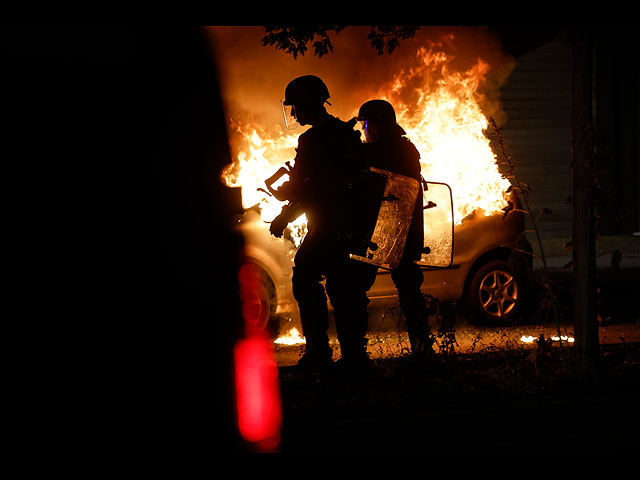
(495, 292)
(259, 301)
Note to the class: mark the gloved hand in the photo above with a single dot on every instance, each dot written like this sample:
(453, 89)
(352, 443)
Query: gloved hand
(278, 225)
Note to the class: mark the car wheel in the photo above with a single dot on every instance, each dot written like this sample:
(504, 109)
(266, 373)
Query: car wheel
(495, 292)
(269, 292)
(259, 303)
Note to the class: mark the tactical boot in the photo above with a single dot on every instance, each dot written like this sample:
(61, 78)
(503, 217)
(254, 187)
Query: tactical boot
(352, 362)
(315, 361)
(422, 346)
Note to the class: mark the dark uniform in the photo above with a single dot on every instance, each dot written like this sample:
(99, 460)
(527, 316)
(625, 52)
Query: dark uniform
(327, 159)
(392, 151)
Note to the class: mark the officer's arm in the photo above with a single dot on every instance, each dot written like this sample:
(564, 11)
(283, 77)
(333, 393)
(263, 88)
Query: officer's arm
(288, 214)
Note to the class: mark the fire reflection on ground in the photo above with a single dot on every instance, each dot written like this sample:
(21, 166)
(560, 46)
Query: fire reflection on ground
(470, 339)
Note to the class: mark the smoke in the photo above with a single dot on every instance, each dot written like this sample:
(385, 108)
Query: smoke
(254, 76)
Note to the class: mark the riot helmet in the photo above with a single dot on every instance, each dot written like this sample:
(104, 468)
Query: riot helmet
(307, 89)
(379, 111)
(379, 120)
(307, 92)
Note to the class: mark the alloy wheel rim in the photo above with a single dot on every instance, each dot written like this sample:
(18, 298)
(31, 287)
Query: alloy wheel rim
(498, 293)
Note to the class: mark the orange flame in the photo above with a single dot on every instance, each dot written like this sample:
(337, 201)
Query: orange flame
(258, 156)
(438, 107)
(447, 125)
(292, 337)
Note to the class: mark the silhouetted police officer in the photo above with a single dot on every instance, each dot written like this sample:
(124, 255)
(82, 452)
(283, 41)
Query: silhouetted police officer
(387, 148)
(328, 157)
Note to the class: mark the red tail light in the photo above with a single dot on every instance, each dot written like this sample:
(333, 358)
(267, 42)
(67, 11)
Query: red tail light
(258, 401)
(258, 393)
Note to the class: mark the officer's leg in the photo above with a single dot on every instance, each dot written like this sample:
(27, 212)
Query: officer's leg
(408, 280)
(312, 302)
(347, 289)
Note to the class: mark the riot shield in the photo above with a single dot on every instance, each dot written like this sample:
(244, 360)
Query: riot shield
(438, 225)
(386, 242)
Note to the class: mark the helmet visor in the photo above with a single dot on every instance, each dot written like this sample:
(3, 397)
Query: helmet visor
(290, 121)
(365, 129)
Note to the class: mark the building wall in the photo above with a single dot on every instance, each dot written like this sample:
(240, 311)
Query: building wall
(536, 99)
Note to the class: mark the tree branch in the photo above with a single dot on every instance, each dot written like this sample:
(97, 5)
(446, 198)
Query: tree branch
(294, 39)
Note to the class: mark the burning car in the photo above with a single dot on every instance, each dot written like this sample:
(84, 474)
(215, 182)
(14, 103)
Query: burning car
(487, 273)
(439, 107)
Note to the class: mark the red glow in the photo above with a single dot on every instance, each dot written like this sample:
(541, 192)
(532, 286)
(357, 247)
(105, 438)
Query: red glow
(258, 391)
(258, 402)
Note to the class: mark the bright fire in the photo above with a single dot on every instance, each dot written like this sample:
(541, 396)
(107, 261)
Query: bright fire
(443, 119)
(293, 337)
(258, 156)
(532, 339)
(445, 122)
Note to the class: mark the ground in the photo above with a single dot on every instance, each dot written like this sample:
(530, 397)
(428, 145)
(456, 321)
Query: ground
(517, 399)
(485, 391)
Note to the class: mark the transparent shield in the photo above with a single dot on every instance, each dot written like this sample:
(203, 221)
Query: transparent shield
(438, 225)
(393, 221)
(290, 121)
